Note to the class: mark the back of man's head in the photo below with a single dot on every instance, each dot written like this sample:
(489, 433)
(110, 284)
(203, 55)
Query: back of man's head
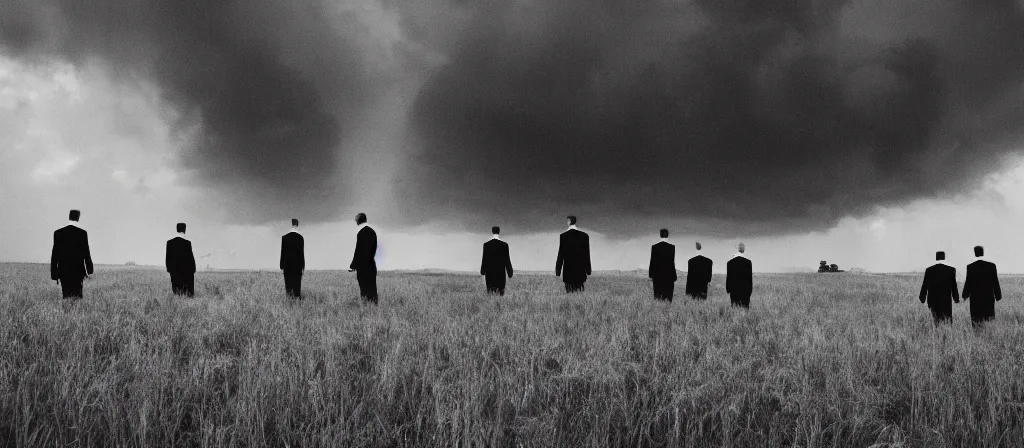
(360, 218)
(698, 245)
(742, 248)
(663, 233)
(572, 220)
(180, 227)
(74, 215)
(496, 230)
(295, 222)
(979, 251)
(940, 255)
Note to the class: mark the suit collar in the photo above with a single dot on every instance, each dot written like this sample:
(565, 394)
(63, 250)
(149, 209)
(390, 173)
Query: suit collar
(180, 235)
(740, 255)
(294, 230)
(943, 262)
(73, 224)
(663, 240)
(572, 227)
(496, 237)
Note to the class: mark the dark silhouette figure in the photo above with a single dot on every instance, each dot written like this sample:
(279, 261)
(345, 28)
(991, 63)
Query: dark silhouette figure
(662, 269)
(938, 288)
(496, 263)
(293, 260)
(698, 275)
(573, 262)
(739, 278)
(181, 263)
(363, 260)
(982, 288)
(70, 260)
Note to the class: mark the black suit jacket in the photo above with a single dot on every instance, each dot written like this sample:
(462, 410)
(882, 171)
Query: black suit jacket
(663, 263)
(698, 274)
(739, 276)
(496, 262)
(939, 287)
(179, 259)
(982, 287)
(70, 257)
(293, 252)
(573, 262)
(366, 249)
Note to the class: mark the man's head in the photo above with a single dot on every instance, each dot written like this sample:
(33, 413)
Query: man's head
(571, 219)
(360, 218)
(180, 227)
(698, 245)
(663, 233)
(496, 230)
(979, 251)
(74, 215)
(940, 255)
(295, 222)
(742, 248)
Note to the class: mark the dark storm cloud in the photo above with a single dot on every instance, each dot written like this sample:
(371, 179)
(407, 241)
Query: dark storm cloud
(263, 89)
(749, 116)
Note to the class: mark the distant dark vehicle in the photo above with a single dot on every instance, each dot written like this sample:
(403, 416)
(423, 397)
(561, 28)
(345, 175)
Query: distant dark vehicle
(825, 267)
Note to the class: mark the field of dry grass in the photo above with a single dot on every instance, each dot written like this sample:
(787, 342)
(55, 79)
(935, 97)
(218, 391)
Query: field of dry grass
(818, 360)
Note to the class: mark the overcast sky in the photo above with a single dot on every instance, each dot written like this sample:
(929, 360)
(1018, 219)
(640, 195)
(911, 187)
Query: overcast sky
(863, 133)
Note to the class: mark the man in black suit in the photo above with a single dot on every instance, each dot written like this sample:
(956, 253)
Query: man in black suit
(939, 287)
(363, 260)
(496, 263)
(982, 287)
(181, 263)
(662, 269)
(698, 275)
(70, 260)
(573, 257)
(739, 278)
(293, 260)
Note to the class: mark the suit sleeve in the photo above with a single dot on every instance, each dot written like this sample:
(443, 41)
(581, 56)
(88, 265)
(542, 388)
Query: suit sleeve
(483, 261)
(560, 258)
(508, 263)
(707, 275)
(995, 284)
(650, 266)
(54, 268)
(302, 254)
(728, 279)
(355, 255)
(167, 257)
(924, 286)
(953, 288)
(191, 259)
(281, 263)
(586, 252)
(967, 284)
(88, 256)
(675, 275)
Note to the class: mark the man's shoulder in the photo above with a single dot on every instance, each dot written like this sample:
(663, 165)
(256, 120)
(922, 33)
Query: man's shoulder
(982, 263)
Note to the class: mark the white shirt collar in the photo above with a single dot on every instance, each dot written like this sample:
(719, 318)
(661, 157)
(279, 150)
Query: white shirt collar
(739, 254)
(496, 237)
(698, 253)
(664, 240)
(572, 227)
(73, 223)
(365, 224)
(942, 262)
(180, 235)
(294, 230)
(980, 257)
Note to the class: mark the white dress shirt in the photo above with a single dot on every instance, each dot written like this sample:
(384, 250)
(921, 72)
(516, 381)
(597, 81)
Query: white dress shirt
(495, 237)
